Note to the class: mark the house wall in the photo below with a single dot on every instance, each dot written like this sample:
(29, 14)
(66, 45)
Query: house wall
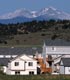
(11, 69)
(62, 70)
(57, 50)
(21, 65)
(22, 72)
(67, 70)
(8, 71)
(4, 69)
(28, 59)
(34, 67)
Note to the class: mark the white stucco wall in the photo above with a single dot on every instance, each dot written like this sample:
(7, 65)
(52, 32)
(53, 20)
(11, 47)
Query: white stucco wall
(19, 67)
(31, 67)
(1, 56)
(22, 72)
(4, 69)
(23, 66)
(67, 70)
(27, 68)
(8, 71)
(58, 50)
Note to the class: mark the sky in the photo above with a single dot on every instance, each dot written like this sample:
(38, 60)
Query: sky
(7, 6)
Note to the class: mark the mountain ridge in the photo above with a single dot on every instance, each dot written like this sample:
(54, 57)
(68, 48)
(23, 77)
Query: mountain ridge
(23, 15)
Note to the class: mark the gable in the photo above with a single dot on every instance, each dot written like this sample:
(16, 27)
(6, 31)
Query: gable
(23, 58)
(66, 62)
(26, 58)
(61, 63)
(17, 59)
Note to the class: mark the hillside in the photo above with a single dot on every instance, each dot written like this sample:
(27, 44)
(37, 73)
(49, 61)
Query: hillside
(33, 33)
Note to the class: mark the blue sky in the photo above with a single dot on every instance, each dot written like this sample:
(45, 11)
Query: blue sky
(11, 5)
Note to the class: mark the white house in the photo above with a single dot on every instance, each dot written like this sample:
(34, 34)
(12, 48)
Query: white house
(65, 66)
(58, 49)
(25, 65)
(21, 65)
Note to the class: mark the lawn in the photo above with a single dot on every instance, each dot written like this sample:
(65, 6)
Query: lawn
(34, 77)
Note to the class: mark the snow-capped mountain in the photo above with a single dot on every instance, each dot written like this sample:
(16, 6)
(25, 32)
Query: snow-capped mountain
(53, 13)
(23, 15)
(18, 13)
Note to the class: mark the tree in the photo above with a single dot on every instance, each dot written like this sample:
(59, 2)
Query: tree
(54, 37)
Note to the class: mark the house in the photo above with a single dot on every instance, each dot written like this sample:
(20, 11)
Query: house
(47, 59)
(7, 53)
(56, 65)
(55, 48)
(65, 66)
(21, 65)
(58, 49)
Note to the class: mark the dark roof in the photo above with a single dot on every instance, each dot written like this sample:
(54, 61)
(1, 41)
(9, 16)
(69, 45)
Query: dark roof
(16, 51)
(19, 50)
(4, 61)
(57, 42)
(66, 62)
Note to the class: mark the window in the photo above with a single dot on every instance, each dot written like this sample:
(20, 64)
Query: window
(30, 64)
(53, 48)
(38, 62)
(31, 72)
(17, 72)
(16, 63)
(69, 69)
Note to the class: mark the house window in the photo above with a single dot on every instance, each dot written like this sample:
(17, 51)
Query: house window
(16, 63)
(30, 64)
(17, 72)
(53, 48)
(31, 72)
(69, 69)
(38, 62)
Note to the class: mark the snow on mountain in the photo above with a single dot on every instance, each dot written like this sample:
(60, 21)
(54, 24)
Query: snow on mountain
(34, 14)
(44, 11)
(17, 13)
(52, 12)
(26, 15)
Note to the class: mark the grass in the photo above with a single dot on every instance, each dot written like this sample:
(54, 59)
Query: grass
(34, 77)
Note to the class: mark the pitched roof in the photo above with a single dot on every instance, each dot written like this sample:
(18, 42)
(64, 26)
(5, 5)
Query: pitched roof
(66, 62)
(19, 50)
(23, 57)
(4, 61)
(57, 42)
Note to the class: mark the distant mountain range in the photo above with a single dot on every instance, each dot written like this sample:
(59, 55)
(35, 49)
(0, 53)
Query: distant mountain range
(24, 15)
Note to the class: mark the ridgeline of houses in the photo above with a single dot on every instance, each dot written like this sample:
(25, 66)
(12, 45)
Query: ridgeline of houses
(53, 58)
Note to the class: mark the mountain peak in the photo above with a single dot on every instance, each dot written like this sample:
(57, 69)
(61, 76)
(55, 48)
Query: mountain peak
(52, 8)
(43, 14)
(45, 9)
(34, 13)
